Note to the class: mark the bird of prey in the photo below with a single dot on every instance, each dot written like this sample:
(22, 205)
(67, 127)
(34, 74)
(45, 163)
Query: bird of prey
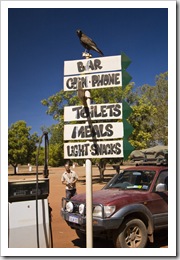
(88, 43)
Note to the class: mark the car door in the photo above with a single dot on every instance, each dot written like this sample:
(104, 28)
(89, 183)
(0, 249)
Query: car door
(159, 200)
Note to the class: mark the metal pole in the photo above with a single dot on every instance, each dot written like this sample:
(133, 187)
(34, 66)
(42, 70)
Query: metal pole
(46, 171)
(89, 226)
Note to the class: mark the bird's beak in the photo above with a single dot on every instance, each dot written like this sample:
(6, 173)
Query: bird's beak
(78, 32)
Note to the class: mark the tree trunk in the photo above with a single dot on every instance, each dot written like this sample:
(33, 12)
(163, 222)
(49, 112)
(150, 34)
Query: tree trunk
(101, 174)
(101, 166)
(117, 168)
(15, 166)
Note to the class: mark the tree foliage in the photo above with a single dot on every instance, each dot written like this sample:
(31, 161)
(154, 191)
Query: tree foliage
(140, 120)
(56, 151)
(150, 114)
(21, 144)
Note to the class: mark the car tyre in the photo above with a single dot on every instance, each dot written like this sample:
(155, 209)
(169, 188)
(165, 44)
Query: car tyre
(131, 234)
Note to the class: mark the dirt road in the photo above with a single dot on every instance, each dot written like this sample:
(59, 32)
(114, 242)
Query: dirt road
(63, 235)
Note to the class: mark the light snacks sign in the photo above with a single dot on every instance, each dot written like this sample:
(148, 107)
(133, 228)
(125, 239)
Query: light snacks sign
(99, 149)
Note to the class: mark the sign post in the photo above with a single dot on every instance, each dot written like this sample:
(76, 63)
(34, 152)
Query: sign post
(89, 225)
(82, 76)
(85, 97)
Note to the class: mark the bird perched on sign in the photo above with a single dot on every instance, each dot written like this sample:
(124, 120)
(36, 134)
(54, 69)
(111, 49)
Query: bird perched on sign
(88, 43)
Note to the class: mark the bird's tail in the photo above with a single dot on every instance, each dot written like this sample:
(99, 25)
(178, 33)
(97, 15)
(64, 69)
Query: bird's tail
(98, 50)
(101, 52)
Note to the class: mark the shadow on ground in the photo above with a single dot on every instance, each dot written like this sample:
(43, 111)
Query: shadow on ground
(160, 240)
(97, 243)
(96, 179)
(24, 174)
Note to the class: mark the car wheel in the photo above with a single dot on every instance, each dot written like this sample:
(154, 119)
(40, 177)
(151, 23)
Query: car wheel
(132, 234)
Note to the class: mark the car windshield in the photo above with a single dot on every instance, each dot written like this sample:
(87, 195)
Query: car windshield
(140, 180)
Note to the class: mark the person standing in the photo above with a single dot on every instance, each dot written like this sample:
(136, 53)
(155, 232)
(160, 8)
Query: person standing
(69, 178)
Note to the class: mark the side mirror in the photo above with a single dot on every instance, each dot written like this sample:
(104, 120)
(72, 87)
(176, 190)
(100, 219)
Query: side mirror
(161, 187)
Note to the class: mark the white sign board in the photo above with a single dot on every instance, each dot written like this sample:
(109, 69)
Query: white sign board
(93, 131)
(94, 81)
(93, 112)
(101, 149)
(75, 67)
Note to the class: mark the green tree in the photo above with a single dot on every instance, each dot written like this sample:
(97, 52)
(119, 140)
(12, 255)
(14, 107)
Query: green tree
(140, 120)
(38, 156)
(21, 144)
(150, 114)
(159, 97)
(56, 149)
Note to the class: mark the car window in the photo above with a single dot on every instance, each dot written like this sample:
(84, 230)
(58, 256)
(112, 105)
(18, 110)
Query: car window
(132, 180)
(162, 180)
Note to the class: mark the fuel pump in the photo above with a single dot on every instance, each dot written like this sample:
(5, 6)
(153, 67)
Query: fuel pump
(29, 211)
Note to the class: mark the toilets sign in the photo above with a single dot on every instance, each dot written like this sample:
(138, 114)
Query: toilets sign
(93, 112)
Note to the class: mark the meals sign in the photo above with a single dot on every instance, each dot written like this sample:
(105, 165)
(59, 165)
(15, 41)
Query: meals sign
(93, 131)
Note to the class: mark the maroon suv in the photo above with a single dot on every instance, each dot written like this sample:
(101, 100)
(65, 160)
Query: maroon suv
(127, 210)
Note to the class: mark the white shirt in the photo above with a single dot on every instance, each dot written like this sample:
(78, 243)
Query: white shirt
(69, 177)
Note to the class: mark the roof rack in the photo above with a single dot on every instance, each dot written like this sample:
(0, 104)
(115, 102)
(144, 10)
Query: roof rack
(161, 162)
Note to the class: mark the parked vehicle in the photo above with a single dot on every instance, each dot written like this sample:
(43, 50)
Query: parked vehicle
(155, 155)
(127, 210)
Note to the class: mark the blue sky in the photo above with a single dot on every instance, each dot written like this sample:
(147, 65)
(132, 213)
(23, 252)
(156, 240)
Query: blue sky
(40, 40)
